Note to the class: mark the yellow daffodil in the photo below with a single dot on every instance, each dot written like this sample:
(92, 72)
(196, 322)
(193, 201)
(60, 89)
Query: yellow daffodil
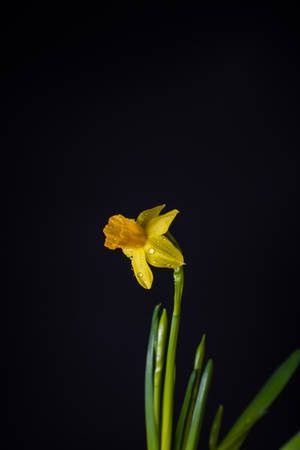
(143, 241)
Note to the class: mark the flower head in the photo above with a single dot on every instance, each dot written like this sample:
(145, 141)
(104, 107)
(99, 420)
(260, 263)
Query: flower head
(143, 241)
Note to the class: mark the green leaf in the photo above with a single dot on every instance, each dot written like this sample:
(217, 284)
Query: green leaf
(215, 429)
(151, 428)
(198, 414)
(159, 364)
(265, 397)
(292, 444)
(198, 363)
(236, 445)
(199, 355)
(184, 411)
(237, 441)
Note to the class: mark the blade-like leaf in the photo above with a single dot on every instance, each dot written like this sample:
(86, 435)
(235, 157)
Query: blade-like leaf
(236, 445)
(292, 444)
(198, 363)
(184, 411)
(215, 429)
(198, 414)
(265, 397)
(237, 441)
(151, 428)
(159, 364)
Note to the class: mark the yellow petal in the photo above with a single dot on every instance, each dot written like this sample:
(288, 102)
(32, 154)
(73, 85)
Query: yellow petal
(159, 225)
(160, 252)
(141, 269)
(128, 252)
(148, 214)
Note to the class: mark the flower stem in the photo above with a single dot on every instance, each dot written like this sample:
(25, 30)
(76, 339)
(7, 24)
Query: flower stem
(168, 394)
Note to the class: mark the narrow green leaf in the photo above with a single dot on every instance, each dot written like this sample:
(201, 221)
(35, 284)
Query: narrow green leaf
(236, 445)
(198, 414)
(151, 428)
(265, 397)
(215, 429)
(292, 444)
(184, 411)
(159, 364)
(198, 363)
(237, 441)
(199, 355)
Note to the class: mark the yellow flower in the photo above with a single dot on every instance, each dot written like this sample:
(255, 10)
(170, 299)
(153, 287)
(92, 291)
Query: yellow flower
(143, 241)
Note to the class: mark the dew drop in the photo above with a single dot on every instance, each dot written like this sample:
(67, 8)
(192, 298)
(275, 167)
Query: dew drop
(140, 274)
(151, 251)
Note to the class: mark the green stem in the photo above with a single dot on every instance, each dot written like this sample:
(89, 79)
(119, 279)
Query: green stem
(168, 394)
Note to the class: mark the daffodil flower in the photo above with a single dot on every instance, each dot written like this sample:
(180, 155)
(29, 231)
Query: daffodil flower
(143, 241)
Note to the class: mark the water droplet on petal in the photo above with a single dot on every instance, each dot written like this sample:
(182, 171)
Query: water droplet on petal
(151, 251)
(140, 274)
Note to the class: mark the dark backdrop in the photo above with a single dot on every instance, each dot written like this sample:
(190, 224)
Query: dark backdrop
(116, 112)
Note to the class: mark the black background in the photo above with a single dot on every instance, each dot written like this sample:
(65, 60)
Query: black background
(118, 111)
